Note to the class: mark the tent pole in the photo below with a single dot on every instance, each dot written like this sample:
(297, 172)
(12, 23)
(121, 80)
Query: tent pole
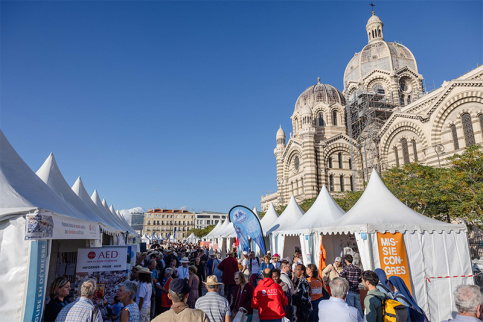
(370, 251)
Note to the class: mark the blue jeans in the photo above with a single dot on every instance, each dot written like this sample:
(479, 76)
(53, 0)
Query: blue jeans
(354, 300)
(314, 316)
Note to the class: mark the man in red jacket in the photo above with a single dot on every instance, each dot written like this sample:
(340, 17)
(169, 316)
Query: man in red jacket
(269, 298)
(228, 266)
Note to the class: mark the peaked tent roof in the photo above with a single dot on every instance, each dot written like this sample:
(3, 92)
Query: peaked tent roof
(324, 212)
(213, 231)
(222, 230)
(97, 201)
(22, 190)
(379, 210)
(289, 216)
(123, 222)
(81, 192)
(254, 210)
(50, 173)
(270, 217)
(229, 231)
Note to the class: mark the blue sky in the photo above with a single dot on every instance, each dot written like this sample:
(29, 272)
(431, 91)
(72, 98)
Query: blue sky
(176, 104)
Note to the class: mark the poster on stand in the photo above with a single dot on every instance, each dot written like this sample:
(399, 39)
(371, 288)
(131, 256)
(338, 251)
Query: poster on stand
(109, 267)
(47, 225)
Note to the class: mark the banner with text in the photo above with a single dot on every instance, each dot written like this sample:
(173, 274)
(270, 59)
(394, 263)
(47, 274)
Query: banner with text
(37, 280)
(47, 225)
(101, 259)
(246, 226)
(392, 256)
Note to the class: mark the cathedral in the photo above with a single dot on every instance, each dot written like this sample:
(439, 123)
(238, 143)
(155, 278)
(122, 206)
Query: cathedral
(382, 118)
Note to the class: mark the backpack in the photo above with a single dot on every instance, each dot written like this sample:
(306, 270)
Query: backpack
(414, 314)
(393, 311)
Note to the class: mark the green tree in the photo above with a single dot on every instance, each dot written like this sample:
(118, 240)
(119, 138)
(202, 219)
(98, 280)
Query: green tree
(202, 232)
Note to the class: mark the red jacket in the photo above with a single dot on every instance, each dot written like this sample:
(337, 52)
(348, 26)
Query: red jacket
(269, 299)
(229, 266)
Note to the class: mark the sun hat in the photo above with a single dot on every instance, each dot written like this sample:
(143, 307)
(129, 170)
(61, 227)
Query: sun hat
(138, 267)
(245, 252)
(184, 260)
(212, 253)
(144, 270)
(212, 280)
(338, 259)
(276, 255)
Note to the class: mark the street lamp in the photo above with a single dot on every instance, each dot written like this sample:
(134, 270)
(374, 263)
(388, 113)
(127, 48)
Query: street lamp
(439, 149)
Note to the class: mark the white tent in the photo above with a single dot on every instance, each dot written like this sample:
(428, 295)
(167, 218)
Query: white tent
(50, 173)
(23, 263)
(324, 212)
(222, 230)
(192, 238)
(213, 231)
(437, 252)
(270, 217)
(292, 214)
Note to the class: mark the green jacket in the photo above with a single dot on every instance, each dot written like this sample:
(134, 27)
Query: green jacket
(373, 306)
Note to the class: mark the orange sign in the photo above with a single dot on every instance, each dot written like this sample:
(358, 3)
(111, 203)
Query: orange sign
(392, 256)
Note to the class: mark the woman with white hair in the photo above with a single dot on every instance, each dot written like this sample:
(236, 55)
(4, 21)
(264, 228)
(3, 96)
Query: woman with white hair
(164, 287)
(125, 294)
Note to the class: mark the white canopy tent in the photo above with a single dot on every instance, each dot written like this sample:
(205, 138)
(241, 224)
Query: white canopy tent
(289, 216)
(324, 212)
(270, 217)
(22, 193)
(211, 233)
(192, 238)
(434, 248)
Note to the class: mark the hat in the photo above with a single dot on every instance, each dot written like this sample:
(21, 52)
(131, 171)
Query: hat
(245, 252)
(144, 270)
(338, 259)
(179, 286)
(185, 260)
(211, 281)
(212, 253)
(276, 255)
(138, 267)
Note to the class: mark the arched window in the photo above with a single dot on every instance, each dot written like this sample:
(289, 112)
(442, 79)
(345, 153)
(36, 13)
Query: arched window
(405, 150)
(468, 129)
(341, 183)
(330, 163)
(350, 163)
(334, 117)
(331, 182)
(409, 99)
(401, 100)
(321, 120)
(415, 150)
(352, 183)
(379, 32)
(396, 156)
(340, 159)
(455, 137)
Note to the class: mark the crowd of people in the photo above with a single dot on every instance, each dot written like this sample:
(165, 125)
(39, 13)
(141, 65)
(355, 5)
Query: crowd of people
(193, 283)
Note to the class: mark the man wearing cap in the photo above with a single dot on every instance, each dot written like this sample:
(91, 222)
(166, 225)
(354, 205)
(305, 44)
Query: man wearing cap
(178, 293)
(215, 306)
(183, 271)
(228, 266)
(332, 270)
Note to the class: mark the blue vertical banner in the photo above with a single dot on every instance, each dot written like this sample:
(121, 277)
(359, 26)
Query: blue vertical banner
(37, 281)
(247, 225)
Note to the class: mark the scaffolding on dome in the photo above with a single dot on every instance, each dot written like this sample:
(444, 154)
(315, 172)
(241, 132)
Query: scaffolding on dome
(366, 112)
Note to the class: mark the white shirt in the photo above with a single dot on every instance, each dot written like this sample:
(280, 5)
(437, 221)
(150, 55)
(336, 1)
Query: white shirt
(183, 272)
(245, 262)
(145, 291)
(336, 309)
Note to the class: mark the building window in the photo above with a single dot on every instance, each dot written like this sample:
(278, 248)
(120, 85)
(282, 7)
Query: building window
(455, 137)
(350, 163)
(340, 159)
(396, 156)
(481, 123)
(352, 183)
(342, 183)
(331, 182)
(334, 117)
(405, 150)
(415, 150)
(321, 120)
(330, 163)
(468, 129)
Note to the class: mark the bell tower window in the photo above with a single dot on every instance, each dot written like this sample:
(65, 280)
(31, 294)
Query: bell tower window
(468, 129)
(334, 117)
(321, 120)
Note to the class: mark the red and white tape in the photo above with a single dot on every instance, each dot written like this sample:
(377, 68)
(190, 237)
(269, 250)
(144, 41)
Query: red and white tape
(454, 276)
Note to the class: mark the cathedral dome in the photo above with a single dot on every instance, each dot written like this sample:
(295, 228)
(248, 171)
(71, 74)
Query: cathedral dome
(280, 132)
(319, 93)
(378, 54)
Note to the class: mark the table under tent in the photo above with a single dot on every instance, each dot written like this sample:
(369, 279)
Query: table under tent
(33, 217)
(437, 252)
(285, 247)
(325, 211)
